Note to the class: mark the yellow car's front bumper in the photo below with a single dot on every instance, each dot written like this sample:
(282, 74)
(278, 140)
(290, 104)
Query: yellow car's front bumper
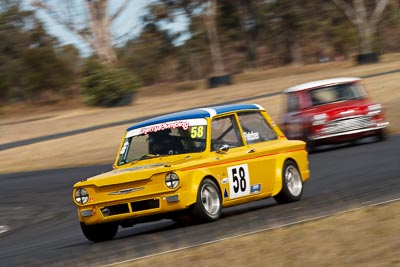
(132, 209)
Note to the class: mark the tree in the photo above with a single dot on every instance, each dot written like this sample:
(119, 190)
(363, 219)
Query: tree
(389, 37)
(105, 85)
(93, 26)
(207, 10)
(145, 55)
(365, 16)
(248, 24)
(29, 62)
(210, 21)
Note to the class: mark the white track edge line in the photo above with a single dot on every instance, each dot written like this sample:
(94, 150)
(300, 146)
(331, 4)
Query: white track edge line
(252, 232)
(3, 229)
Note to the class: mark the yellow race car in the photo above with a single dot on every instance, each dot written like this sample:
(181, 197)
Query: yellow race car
(192, 163)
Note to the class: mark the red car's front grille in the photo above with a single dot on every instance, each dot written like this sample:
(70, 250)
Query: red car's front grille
(348, 124)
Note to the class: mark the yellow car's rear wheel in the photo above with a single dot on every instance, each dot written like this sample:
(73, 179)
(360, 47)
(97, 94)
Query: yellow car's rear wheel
(292, 185)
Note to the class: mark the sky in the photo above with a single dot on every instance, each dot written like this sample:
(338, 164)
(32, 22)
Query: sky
(126, 26)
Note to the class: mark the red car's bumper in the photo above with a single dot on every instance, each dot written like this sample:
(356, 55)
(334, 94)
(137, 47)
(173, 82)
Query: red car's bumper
(330, 134)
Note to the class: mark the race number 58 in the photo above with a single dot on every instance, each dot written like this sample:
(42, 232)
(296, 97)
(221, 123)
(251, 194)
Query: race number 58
(197, 131)
(239, 181)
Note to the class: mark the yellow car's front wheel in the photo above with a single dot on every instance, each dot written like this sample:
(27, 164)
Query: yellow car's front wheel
(99, 232)
(208, 206)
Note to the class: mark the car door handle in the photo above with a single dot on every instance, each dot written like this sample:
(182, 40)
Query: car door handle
(251, 151)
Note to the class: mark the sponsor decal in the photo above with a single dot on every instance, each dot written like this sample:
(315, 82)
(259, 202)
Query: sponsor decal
(251, 136)
(184, 124)
(166, 125)
(225, 181)
(255, 188)
(225, 193)
(124, 147)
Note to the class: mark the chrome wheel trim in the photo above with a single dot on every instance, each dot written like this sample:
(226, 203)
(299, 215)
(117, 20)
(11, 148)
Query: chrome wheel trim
(210, 199)
(293, 181)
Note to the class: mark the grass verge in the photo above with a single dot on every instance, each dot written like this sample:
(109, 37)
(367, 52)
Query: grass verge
(364, 237)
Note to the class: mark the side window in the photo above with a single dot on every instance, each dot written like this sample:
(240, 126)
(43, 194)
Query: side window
(256, 128)
(358, 90)
(292, 102)
(225, 132)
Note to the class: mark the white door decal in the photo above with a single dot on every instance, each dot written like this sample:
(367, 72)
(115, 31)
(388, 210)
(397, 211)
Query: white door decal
(239, 181)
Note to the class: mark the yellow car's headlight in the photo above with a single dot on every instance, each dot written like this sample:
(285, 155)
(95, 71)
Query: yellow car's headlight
(172, 180)
(81, 196)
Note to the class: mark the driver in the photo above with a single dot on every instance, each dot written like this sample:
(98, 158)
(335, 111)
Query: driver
(160, 143)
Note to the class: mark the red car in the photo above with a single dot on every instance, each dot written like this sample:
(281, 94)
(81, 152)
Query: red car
(331, 111)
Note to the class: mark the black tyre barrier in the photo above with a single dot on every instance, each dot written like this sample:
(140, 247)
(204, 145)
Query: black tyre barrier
(367, 58)
(216, 81)
(123, 100)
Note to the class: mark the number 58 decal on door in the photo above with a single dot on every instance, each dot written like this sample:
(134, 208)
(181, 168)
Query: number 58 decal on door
(239, 181)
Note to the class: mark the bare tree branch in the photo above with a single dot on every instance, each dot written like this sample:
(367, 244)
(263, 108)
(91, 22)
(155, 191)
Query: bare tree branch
(94, 30)
(119, 10)
(366, 26)
(348, 10)
(380, 7)
(54, 15)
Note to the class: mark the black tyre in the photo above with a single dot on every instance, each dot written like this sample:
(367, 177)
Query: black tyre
(292, 185)
(382, 135)
(311, 146)
(99, 232)
(208, 206)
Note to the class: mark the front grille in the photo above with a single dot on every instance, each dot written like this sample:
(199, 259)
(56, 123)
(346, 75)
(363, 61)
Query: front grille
(115, 209)
(145, 205)
(136, 206)
(349, 124)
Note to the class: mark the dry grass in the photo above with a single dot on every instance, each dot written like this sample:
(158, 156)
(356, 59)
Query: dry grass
(25, 122)
(365, 237)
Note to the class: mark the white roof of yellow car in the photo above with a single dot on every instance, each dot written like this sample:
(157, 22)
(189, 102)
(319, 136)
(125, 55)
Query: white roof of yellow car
(321, 83)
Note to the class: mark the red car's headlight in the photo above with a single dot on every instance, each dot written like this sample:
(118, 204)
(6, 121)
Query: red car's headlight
(374, 109)
(319, 119)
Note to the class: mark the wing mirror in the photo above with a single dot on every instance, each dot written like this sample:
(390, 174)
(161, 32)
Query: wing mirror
(223, 149)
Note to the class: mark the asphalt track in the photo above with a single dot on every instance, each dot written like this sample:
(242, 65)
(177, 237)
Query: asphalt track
(124, 122)
(43, 230)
